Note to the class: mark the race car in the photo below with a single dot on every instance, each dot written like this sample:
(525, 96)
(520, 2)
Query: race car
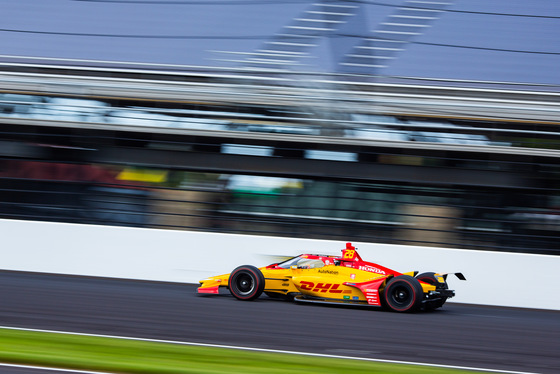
(346, 280)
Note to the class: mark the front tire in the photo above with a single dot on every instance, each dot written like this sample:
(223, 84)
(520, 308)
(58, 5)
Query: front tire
(246, 283)
(403, 294)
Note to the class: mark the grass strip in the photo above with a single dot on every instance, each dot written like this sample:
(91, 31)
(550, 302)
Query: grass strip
(131, 356)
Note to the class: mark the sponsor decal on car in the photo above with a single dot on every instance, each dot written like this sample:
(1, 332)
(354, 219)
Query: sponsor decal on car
(371, 269)
(322, 287)
(332, 272)
(372, 297)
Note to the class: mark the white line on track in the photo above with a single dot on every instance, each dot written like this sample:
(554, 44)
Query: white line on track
(258, 350)
(45, 368)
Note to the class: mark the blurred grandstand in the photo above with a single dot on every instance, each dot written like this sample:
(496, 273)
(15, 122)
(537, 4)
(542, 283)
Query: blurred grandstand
(411, 122)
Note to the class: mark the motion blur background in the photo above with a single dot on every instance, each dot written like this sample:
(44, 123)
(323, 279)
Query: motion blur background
(412, 122)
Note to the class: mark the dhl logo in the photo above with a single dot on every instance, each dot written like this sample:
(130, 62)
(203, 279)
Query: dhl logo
(322, 287)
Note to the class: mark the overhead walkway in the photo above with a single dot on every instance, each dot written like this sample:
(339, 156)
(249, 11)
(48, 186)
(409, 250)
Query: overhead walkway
(515, 104)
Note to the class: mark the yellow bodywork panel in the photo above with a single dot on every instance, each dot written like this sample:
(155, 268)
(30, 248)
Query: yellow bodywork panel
(212, 284)
(326, 282)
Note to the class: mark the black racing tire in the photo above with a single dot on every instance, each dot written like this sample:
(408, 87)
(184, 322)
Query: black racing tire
(246, 283)
(430, 278)
(403, 294)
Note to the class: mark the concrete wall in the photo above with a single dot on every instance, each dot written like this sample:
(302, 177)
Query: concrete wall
(493, 278)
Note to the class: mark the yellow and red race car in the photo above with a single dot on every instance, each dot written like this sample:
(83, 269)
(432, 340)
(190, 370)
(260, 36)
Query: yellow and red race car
(330, 279)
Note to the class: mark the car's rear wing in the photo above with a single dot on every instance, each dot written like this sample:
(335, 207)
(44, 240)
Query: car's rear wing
(458, 275)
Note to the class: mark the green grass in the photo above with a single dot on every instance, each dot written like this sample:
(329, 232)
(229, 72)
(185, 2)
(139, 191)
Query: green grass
(131, 356)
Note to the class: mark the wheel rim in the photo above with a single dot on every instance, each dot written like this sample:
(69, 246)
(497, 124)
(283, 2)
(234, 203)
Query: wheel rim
(401, 296)
(245, 284)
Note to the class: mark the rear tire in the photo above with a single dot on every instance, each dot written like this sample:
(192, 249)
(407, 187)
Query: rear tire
(403, 294)
(246, 283)
(430, 278)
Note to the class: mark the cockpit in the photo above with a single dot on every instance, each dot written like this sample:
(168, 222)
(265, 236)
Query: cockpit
(302, 263)
(307, 263)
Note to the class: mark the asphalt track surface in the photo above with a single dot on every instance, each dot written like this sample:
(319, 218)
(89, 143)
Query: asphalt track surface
(463, 335)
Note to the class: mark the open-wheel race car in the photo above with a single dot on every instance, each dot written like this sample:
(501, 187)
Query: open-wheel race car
(346, 280)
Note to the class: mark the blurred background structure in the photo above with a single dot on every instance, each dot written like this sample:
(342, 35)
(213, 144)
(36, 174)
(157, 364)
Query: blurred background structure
(412, 122)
